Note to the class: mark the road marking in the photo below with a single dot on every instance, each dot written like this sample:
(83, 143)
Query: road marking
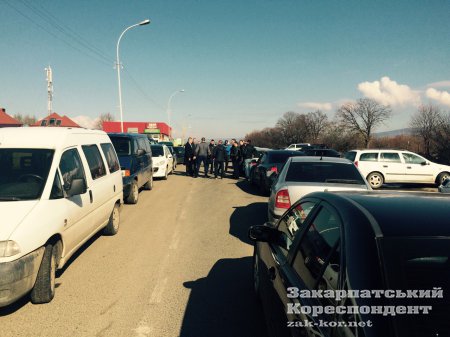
(175, 240)
(158, 291)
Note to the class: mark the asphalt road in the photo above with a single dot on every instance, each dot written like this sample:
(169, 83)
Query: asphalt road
(180, 265)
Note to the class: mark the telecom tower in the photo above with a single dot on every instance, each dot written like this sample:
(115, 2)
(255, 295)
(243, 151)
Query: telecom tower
(49, 73)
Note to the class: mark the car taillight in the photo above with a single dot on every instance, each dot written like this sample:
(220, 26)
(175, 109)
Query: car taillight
(253, 164)
(125, 173)
(356, 163)
(274, 169)
(282, 199)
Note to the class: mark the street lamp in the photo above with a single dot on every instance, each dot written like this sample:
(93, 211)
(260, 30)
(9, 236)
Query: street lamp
(168, 109)
(142, 23)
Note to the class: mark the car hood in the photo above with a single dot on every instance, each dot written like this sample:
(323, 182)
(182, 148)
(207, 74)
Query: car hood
(299, 190)
(12, 214)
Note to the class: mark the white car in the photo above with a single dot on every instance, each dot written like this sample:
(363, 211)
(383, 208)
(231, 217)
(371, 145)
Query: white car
(394, 166)
(58, 187)
(162, 161)
(303, 175)
(298, 146)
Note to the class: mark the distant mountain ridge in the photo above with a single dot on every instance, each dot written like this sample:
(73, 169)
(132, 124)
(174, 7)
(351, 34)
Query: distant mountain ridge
(393, 133)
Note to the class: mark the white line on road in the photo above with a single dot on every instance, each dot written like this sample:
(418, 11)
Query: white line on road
(158, 291)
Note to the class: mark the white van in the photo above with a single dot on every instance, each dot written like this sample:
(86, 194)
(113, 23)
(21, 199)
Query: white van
(58, 187)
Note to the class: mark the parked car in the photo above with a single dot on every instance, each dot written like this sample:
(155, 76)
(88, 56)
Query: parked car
(269, 163)
(322, 153)
(179, 150)
(445, 186)
(174, 157)
(251, 165)
(303, 175)
(58, 187)
(355, 242)
(167, 143)
(296, 147)
(162, 161)
(135, 157)
(394, 166)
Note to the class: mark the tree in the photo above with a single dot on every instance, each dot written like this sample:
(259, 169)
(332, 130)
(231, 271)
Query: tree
(363, 117)
(441, 138)
(25, 119)
(316, 123)
(106, 117)
(425, 123)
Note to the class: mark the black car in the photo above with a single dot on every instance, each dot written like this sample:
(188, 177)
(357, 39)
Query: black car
(135, 157)
(261, 174)
(179, 150)
(322, 153)
(367, 264)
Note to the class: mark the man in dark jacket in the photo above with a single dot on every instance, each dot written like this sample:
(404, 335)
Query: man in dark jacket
(211, 145)
(188, 157)
(235, 156)
(219, 155)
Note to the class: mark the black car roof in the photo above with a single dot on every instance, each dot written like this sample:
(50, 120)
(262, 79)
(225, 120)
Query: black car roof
(402, 214)
(127, 135)
(283, 152)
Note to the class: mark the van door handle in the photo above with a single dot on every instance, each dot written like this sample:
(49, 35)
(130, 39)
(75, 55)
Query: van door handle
(408, 167)
(90, 196)
(385, 166)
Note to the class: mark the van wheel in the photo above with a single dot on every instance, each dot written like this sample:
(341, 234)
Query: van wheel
(44, 287)
(134, 193)
(167, 173)
(149, 184)
(114, 220)
(441, 177)
(375, 179)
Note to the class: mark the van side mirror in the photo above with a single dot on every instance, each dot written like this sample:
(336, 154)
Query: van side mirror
(76, 187)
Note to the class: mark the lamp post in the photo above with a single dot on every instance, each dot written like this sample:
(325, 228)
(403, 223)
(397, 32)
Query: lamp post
(169, 111)
(142, 23)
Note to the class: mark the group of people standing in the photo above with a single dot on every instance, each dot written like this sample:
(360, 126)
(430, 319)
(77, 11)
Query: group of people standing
(217, 156)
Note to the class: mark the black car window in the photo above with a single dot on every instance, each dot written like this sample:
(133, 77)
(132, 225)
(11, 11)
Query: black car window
(324, 172)
(351, 155)
(280, 157)
(71, 167)
(157, 150)
(122, 145)
(292, 222)
(391, 157)
(369, 156)
(95, 161)
(111, 158)
(317, 259)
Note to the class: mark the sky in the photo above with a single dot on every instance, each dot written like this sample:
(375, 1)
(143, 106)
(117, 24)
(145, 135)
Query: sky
(242, 63)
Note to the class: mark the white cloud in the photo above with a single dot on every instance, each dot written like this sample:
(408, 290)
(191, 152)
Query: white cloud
(442, 97)
(86, 122)
(387, 91)
(316, 106)
(440, 84)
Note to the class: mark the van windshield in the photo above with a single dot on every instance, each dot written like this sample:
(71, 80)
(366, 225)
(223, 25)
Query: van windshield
(23, 173)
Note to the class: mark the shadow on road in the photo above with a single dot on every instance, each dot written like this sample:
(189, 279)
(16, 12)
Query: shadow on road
(223, 304)
(246, 187)
(244, 217)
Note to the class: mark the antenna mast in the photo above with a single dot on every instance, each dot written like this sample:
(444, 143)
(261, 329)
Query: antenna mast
(49, 73)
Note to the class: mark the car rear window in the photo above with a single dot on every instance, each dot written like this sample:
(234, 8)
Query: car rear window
(420, 264)
(157, 150)
(323, 172)
(122, 145)
(371, 156)
(351, 155)
(281, 157)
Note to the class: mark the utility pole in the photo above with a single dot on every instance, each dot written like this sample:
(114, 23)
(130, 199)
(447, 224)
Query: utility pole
(49, 73)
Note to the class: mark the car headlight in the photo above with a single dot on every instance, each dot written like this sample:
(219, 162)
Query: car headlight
(9, 248)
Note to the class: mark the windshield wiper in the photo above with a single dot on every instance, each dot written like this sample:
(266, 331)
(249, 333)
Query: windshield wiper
(10, 199)
(344, 181)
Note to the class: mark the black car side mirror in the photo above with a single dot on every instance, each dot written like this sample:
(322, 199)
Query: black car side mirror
(264, 233)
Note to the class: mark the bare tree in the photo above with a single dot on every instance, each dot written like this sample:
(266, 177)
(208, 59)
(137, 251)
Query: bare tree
(316, 123)
(363, 117)
(425, 123)
(106, 117)
(25, 119)
(441, 138)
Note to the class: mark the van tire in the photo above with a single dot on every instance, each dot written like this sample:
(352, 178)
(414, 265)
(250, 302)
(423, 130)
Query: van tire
(149, 184)
(133, 197)
(441, 177)
(114, 220)
(375, 180)
(44, 287)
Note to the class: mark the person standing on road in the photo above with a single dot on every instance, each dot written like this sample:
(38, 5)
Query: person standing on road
(219, 155)
(194, 158)
(188, 157)
(202, 153)
(227, 146)
(249, 154)
(235, 156)
(211, 146)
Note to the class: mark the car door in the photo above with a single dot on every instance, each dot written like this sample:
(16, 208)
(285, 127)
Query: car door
(392, 166)
(277, 272)
(417, 170)
(169, 160)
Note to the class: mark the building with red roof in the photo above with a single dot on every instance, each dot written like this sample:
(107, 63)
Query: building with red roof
(157, 130)
(56, 120)
(6, 120)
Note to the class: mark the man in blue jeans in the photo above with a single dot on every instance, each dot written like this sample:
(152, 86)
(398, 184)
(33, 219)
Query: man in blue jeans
(202, 152)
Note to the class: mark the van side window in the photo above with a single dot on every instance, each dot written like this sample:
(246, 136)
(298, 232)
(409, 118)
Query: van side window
(111, 157)
(95, 161)
(57, 190)
(71, 167)
(142, 145)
